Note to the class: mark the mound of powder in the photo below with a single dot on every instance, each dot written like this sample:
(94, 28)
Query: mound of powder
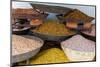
(22, 45)
(79, 43)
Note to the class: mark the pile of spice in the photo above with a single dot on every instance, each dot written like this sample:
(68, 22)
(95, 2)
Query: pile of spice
(22, 45)
(79, 48)
(53, 28)
(77, 14)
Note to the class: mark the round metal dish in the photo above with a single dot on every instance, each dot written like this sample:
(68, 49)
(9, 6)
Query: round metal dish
(50, 37)
(25, 56)
(21, 31)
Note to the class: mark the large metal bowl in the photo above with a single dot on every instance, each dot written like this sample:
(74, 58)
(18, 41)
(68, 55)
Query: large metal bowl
(27, 55)
(50, 37)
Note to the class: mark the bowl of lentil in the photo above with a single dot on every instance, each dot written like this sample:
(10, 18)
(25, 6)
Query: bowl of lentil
(52, 31)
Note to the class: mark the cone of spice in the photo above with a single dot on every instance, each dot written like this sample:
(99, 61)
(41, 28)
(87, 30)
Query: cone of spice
(24, 47)
(77, 14)
(53, 28)
(77, 20)
(52, 55)
(79, 48)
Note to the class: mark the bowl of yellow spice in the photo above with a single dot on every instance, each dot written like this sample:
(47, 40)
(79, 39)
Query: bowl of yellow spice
(52, 31)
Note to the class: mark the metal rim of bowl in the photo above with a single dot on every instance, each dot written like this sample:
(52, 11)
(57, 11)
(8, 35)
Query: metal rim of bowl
(31, 52)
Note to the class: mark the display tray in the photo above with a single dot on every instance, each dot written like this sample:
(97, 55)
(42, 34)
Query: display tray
(52, 40)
